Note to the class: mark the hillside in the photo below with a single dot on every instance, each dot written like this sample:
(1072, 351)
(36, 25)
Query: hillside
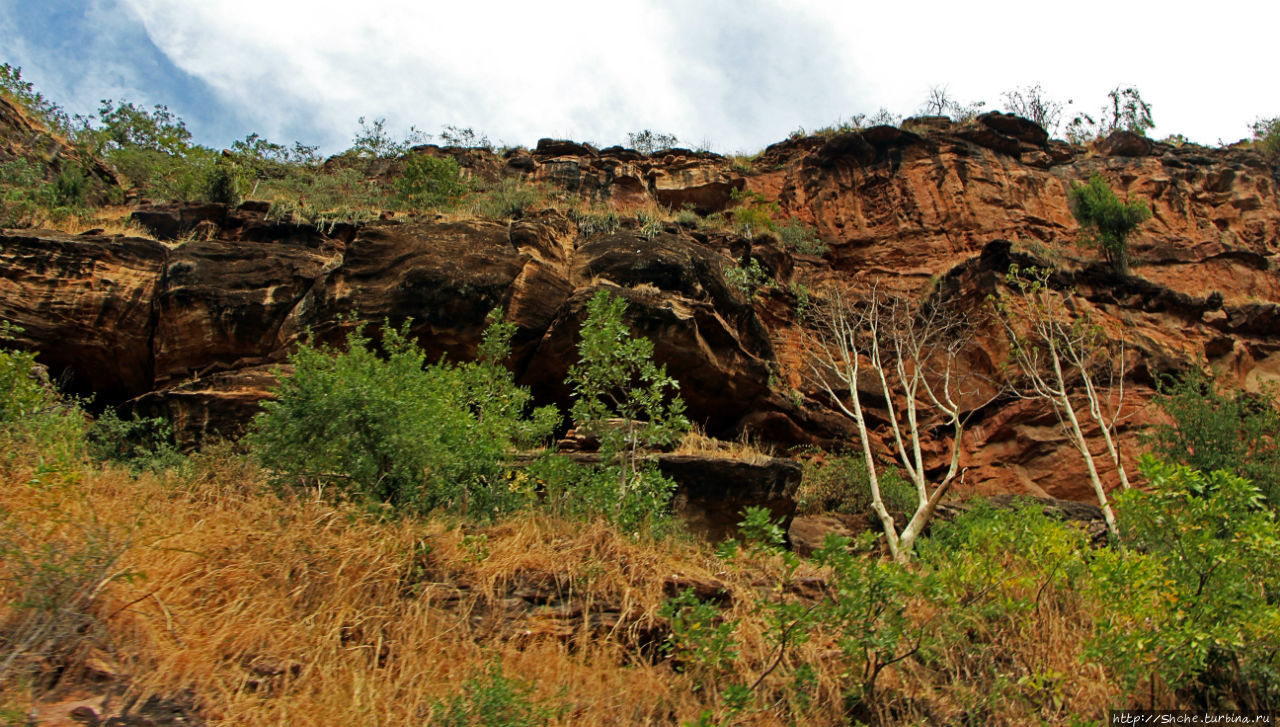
(206, 582)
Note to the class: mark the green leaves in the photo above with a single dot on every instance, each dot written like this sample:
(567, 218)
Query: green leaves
(388, 430)
(430, 181)
(615, 377)
(1195, 583)
(630, 403)
(1106, 220)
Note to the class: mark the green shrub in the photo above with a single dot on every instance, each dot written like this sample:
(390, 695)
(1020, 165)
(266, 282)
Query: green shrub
(1106, 220)
(1216, 429)
(840, 484)
(34, 419)
(492, 699)
(430, 182)
(507, 199)
(798, 237)
(649, 142)
(24, 93)
(615, 378)
(1266, 136)
(139, 443)
(386, 429)
(747, 278)
(1007, 576)
(593, 222)
(1191, 599)
(28, 197)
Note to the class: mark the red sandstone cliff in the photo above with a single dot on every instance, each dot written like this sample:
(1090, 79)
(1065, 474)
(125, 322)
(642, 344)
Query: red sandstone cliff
(192, 330)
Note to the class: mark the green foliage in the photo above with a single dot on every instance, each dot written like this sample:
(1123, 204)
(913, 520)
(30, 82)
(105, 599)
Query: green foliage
(1125, 111)
(701, 639)
(841, 484)
(22, 92)
(386, 430)
(687, 218)
(1266, 136)
(754, 214)
(466, 138)
(493, 699)
(650, 226)
(507, 199)
(1001, 575)
(27, 197)
(796, 236)
(1199, 608)
(649, 142)
(373, 141)
(429, 182)
(595, 221)
(33, 416)
(747, 278)
(139, 443)
(1106, 220)
(1213, 428)
(629, 402)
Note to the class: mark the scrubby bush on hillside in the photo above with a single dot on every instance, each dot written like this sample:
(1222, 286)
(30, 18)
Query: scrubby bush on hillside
(1199, 611)
(1215, 429)
(392, 430)
(648, 141)
(630, 403)
(1125, 111)
(430, 181)
(1266, 136)
(33, 416)
(1107, 221)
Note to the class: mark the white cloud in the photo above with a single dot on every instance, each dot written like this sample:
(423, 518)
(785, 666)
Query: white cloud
(739, 74)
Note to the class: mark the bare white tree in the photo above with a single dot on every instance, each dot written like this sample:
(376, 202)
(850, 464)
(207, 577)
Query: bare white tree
(910, 349)
(1064, 359)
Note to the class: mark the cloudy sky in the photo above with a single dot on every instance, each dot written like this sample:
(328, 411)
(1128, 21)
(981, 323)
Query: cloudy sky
(732, 75)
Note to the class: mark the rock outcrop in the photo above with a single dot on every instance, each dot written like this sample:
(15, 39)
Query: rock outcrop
(194, 329)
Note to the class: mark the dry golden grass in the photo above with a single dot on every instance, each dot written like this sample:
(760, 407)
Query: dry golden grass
(280, 608)
(696, 442)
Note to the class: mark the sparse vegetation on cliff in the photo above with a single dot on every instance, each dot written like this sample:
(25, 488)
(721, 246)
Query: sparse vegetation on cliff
(1107, 222)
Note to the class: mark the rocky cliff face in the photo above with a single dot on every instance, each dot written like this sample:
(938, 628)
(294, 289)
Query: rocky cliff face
(193, 330)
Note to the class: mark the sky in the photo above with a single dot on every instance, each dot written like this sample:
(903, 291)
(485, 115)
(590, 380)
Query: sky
(729, 75)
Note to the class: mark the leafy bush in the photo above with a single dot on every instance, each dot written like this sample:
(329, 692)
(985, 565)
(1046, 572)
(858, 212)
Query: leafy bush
(492, 699)
(1106, 220)
(1126, 111)
(648, 142)
(840, 484)
(34, 418)
(24, 93)
(385, 429)
(747, 277)
(798, 237)
(27, 197)
(139, 443)
(1199, 610)
(507, 199)
(1266, 136)
(373, 141)
(430, 181)
(1216, 429)
(615, 378)
(466, 138)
